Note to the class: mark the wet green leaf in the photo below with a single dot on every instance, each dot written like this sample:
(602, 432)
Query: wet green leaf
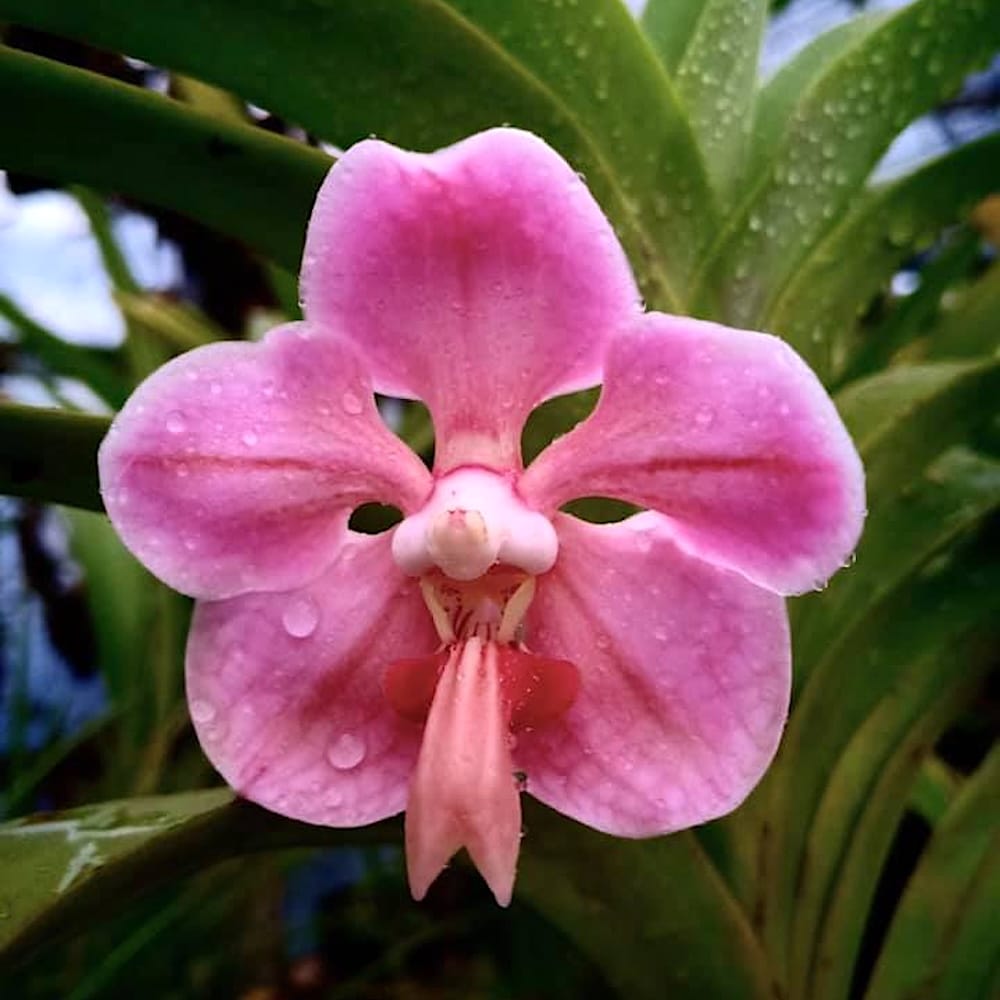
(818, 311)
(716, 76)
(902, 418)
(50, 455)
(426, 74)
(59, 122)
(841, 126)
(944, 928)
(59, 871)
(608, 895)
(775, 107)
(901, 421)
(98, 369)
(911, 315)
(670, 25)
(969, 325)
(943, 640)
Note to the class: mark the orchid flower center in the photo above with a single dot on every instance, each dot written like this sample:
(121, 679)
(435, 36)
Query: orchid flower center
(477, 549)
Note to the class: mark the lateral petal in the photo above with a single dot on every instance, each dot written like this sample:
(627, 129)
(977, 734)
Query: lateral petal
(731, 436)
(233, 467)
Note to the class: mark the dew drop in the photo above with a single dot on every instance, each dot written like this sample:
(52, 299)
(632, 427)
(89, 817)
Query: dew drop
(215, 388)
(176, 422)
(660, 634)
(268, 387)
(351, 403)
(249, 438)
(346, 752)
(704, 417)
(301, 617)
(202, 711)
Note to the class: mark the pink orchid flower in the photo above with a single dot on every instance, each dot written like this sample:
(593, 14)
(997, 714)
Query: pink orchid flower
(634, 676)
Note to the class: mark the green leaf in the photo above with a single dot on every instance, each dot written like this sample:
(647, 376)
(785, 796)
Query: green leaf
(141, 628)
(904, 417)
(61, 871)
(915, 312)
(424, 73)
(969, 325)
(60, 123)
(841, 126)
(50, 455)
(943, 933)
(653, 914)
(96, 368)
(776, 104)
(112, 257)
(901, 420)
(930, 514)
(818, 310)
(670, 25)
(934, 790)
(717, 82)
(943, 639)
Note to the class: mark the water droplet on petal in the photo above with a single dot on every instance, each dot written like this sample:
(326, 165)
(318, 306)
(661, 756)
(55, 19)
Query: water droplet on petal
(249, 438)
(345, 752)
(202, 711)
(351, 403)
(268, 387)
(301, 617)
(176, 423)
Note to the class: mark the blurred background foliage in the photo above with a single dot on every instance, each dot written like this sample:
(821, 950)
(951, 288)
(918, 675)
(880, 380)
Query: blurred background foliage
(826, 170)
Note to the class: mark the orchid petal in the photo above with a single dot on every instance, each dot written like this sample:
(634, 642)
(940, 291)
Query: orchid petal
(463, 792)
(685, 675)
(233, 467)
(285, 689)
(482, 279)
(731, 436)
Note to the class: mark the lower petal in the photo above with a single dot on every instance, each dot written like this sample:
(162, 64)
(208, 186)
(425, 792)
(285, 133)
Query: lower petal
(685, 673)
(285, 689)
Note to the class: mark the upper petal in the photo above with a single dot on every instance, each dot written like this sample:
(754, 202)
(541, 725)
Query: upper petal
(685, 674)
(285, 689)
(233, 467)
(482, 278)
(728, 433)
